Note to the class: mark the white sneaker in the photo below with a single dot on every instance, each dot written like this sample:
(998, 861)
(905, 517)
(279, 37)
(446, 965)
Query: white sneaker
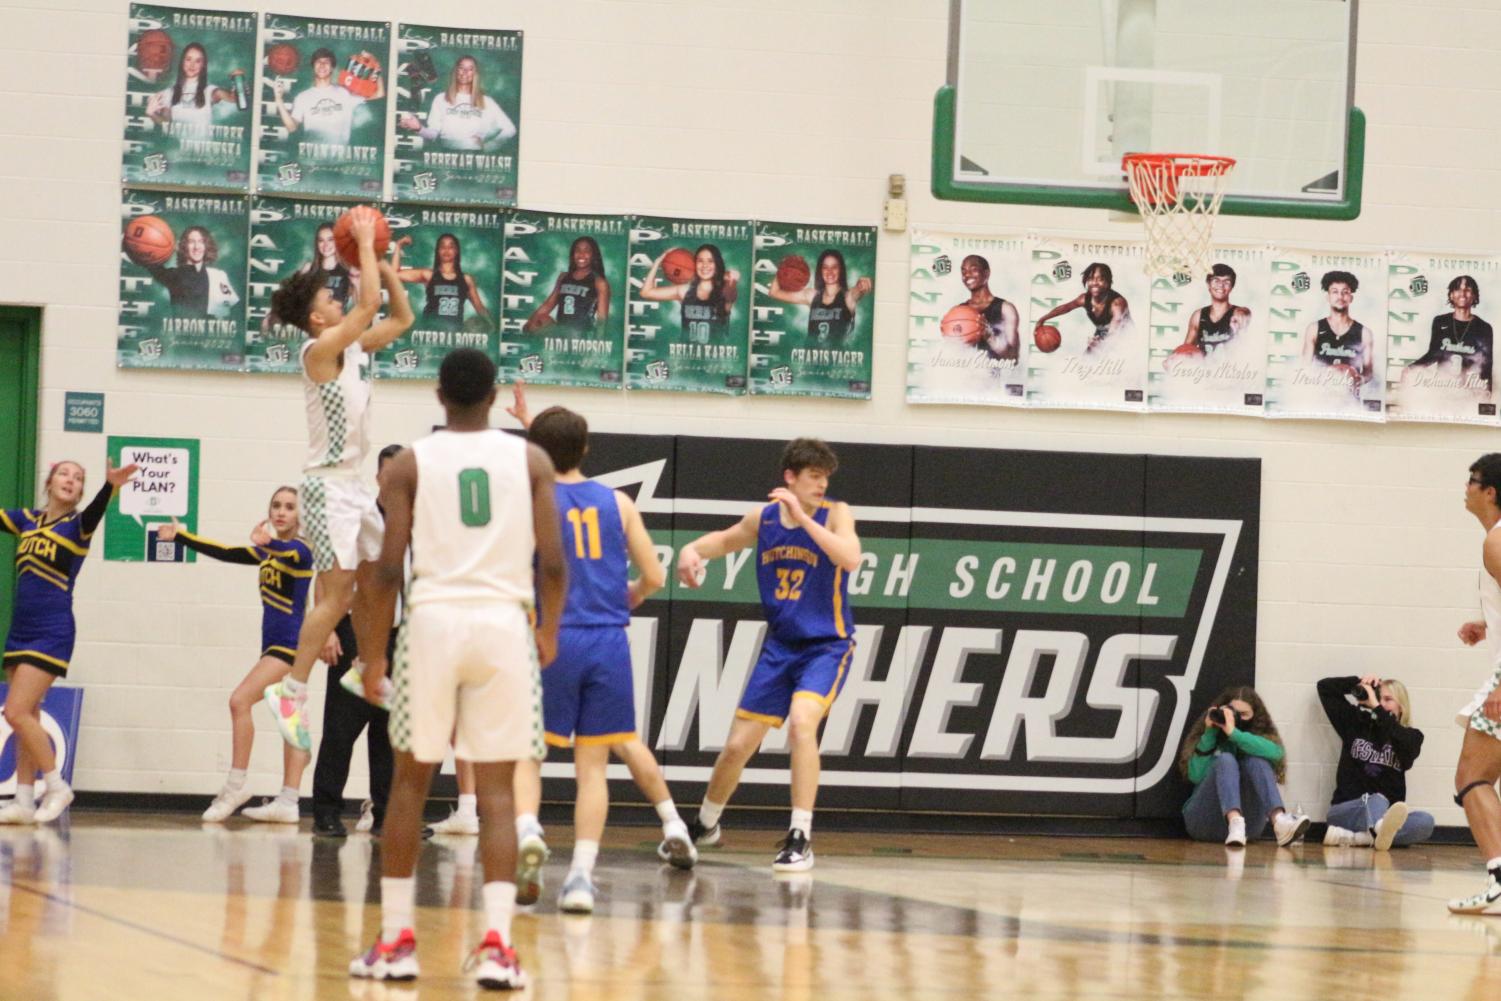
(578, 895)
(1488, 901)
(53, 803)
(366, 823)
(458, 823)
(1338, 837)
(353, 682)
(274, 811)
(15, 813)
(1237, 836)
(226, 803)
(1289, 827)
(677, 848)
(1387, 827)
(531, 854)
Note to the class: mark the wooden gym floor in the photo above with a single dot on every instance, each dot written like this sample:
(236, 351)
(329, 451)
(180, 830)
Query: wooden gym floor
(120, 906)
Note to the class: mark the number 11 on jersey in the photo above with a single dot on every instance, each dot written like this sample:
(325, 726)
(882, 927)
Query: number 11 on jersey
(585, 523)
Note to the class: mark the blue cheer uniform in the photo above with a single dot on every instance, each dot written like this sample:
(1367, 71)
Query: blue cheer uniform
(812, 636)
(49, 555)
(587, 693)
(286, 571)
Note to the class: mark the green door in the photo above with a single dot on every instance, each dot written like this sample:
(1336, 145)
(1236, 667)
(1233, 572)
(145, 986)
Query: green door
(20, 348)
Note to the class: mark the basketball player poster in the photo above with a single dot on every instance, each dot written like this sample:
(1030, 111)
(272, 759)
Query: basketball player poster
(1326, 346)
(182, 278)
(449, 260)
(189, 76)
(689, 326)
(1090, 305)
(1440, 346)
(458, 115)
(288, 236)
(812, 324)
(967, 305)
(563, 301)
(1207, 336)
(323, 106)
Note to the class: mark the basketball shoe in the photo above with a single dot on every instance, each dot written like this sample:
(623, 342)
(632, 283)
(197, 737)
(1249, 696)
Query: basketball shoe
(388, 960)
(677, 848)
(494, 965)
(1487, 901)
(290, 713)
(795, 853)
(531, 853)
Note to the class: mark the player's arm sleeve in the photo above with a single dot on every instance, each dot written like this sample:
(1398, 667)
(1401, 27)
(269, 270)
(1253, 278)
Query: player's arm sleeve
(94, 513)
(245, 555)
(10, 521)
(1343, 716)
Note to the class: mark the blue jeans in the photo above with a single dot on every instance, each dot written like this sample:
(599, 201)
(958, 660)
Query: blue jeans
(1246, 784)
(1362, 815)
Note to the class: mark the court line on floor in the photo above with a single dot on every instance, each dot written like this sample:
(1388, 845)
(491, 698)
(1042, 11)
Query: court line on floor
(145, 929)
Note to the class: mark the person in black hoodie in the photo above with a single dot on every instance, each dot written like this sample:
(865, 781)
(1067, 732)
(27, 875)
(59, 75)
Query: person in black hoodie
(1372, 719)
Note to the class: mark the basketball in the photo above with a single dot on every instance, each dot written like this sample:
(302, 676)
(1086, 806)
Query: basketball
(1183, 353)
(793, 273)
(148, 241)
(963, 322)
(678, 264)
(1047, 337)
(349, 251)
(282, 59)
(154, 51)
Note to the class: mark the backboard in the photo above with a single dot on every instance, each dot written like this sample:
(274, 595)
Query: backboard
(1043, 100)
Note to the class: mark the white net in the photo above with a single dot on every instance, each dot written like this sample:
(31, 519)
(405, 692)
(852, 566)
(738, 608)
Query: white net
(1178, 197)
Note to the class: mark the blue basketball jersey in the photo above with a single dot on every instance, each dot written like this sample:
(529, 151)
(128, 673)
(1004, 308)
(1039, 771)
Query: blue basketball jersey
(594, 543)
(805, 596)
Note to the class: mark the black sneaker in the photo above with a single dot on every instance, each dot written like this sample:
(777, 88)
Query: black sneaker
(795, 853)
(702, 835)
(329, 827)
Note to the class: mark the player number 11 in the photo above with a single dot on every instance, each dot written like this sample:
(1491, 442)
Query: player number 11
(585, 524)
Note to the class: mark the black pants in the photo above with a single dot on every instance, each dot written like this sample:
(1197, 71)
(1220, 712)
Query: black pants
(344, 716)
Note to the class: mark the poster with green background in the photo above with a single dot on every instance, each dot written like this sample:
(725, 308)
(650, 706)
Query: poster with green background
(458, 113)
(182, 281)
(689, 326)
(563, 318)
(812, 326)
(189, 83)
(323, 106)
(288, 236)
(448, 260)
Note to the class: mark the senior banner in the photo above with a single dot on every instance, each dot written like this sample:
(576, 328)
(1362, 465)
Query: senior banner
(1088, 325)
(1440, 347)
(1326, 346)
(458, 109)
(812, 325)
(967, 336)
(189, 84)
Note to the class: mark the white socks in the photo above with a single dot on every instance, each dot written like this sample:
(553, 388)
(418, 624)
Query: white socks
(708, 814)
(54, 780)
(293, 687)
(802, 820)
(468, 805)
(584, 854)
(667, 811)
(500, 904)
(236, 778)
(288, 794)
(26, 795)
(397, 905)
(527, 823)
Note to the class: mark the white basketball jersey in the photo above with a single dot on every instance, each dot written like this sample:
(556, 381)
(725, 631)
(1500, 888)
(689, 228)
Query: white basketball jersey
(472, 520)
(338, 414)
(1490, 607)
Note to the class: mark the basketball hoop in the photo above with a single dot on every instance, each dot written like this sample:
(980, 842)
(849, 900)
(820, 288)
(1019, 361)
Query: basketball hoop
(1178, 196)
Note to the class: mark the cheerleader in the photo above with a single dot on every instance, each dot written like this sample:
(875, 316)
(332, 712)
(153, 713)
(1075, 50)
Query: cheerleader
(53, 542)
(286, 569)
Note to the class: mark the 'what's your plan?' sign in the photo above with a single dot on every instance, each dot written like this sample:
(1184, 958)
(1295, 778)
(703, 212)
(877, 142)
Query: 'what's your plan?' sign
(165, 487)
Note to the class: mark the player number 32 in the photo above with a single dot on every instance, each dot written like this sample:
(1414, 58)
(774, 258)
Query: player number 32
(789, 584)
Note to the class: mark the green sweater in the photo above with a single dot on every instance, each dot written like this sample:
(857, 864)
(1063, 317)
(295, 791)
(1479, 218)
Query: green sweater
(1239, 743)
